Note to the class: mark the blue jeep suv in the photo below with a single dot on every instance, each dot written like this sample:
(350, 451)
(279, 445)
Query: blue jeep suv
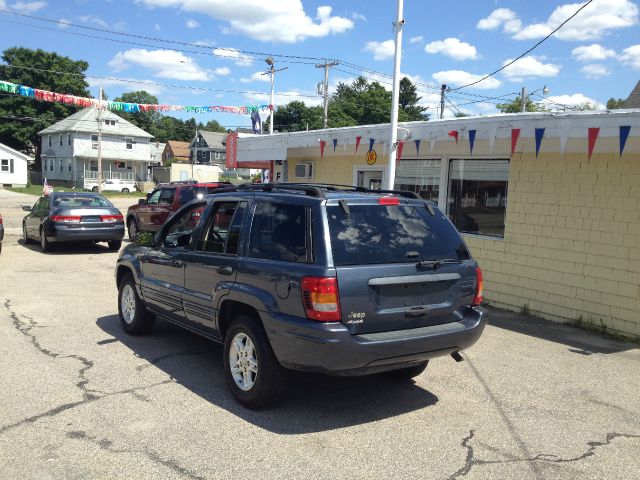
(323, 278)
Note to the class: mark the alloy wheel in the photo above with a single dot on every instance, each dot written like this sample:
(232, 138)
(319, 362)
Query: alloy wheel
(243, 362)
(128, 304)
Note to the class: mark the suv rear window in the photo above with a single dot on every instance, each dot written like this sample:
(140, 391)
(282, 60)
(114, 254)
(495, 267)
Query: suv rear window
(372, 234)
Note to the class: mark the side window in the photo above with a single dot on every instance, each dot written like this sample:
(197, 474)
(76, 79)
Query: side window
(44, 206)
(279, 232)
(38, 206)
(154, 197)
(186, 195)
(166, 197)
(178, 232)
(222, 233)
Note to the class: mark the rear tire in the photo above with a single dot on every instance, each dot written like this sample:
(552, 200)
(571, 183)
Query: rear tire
(94, 189)
(45, 246)
(115, 245)
(252, 371)
(134, 317)
(125, 190)
(408, 373)
(133, 229)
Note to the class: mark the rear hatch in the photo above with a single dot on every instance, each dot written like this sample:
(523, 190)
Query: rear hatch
(400, 265)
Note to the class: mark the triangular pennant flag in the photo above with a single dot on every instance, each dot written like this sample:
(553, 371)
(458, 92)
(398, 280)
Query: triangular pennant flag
(335, 143)
(472, 140)
(371, 142)
(399, 151)
(539, 135)
(593, 136)
(322, 144)
(565, 131)
(515, 133)
(454, 134)
(358, 138)
(417, 142)
(493, 133)
(624, 134)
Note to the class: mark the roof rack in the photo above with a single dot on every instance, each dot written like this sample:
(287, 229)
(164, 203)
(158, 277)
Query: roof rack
(338, 187)
(308, 189)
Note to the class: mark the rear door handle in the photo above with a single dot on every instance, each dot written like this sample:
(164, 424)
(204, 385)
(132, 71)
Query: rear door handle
(224, 270)
(416, 311)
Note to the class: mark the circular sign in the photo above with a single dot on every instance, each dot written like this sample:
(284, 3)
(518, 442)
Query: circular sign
(372, 156)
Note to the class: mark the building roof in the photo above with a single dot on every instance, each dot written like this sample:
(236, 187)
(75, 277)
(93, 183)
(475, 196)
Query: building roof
(85, 121)
(214, 139)
(633, 101)
(24, 156)
(179, 149)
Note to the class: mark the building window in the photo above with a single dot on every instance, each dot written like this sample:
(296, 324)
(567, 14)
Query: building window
(110, 122)
(68, 139)
(419, 176)
(69, 165)
(4, 165)
(94, 142)
(60, 140)
(61, 165)
(49, 139)
(217, 155)
(44, 164)
(120, 165)
(93, 166)
(129, 142)
(477, 195)
(52, 164)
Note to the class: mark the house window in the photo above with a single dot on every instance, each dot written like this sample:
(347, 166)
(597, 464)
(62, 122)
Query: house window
(68, 139)
(49, 139)
(52, 164)
(93, 166)
(44, 164)
(69, 165)
(120, 165)
(420, 176)
(477, 195)
(4, 165)
(94, 142)
(60, 140)
(129, 142)
(61, 165)
(217, 155)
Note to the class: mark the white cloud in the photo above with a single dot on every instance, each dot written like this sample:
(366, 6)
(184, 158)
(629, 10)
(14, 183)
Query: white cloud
(269, 21)
(529, 67)
(573, 100)
(27, 7)
(222, 71)
(504, 17)
(282, 98)
(631, 57)
(595, 21)
(595, 70)
(417, 39)
(157, 27)
(191, 23)
(164, 63)
(102, 23)
(127, 84)
(454, 48)
(63, 22)
(589, 53)
(456, 78)
(257, 77)
(381, 50)
(238, 58)
(358, 16)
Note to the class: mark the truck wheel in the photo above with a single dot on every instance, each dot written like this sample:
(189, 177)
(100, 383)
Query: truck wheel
(132, 227)
(409, 372)
(253, 372)
(134, 317)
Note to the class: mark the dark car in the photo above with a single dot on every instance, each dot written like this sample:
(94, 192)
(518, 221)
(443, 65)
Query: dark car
(73, 217)
(341, 281)
(149, 214)
(1, 232)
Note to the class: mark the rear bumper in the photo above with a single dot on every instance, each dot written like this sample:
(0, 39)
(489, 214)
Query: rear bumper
(61, 233)
(330, 348)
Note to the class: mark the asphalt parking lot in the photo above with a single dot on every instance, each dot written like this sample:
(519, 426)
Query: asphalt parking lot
(81, 400)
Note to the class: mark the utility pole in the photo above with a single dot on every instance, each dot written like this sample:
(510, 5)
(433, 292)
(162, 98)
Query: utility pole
(395, 100)
(325, 86)
(443, 89)
(100, 142)
(272, 71)
(523, 99)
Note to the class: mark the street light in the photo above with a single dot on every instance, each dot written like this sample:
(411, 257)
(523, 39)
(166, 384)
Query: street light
(523, 96)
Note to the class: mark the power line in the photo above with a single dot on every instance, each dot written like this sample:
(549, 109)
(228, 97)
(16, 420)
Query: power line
(528, 51)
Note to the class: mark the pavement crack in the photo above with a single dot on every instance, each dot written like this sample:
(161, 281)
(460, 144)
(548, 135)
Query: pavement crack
(106, 444)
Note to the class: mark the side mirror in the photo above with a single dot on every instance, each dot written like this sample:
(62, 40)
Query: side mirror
(145, 239)
(141, 201)
(27, 208)
(148, 194)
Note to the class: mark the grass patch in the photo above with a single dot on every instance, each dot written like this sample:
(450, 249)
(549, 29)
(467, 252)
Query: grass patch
(602, 330)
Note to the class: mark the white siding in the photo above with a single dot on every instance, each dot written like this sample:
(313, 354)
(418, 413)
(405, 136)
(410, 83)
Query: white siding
(19, 175)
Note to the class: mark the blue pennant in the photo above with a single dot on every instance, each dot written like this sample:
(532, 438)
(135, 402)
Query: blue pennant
(624, 134)
(335, 142)
(417, 147)
(472, 140)
(539, 135)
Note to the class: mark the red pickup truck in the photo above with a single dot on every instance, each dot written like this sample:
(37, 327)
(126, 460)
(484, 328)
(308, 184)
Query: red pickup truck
(149, 214)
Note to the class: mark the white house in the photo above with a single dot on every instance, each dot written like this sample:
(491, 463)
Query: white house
(70, 149)
(13, 167)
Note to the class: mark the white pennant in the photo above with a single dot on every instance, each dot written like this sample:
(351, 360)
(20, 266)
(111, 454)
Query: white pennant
(493, 133)
(565, 131)
(432, 144)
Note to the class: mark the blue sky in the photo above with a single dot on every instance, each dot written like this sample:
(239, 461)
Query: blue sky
(594, 57)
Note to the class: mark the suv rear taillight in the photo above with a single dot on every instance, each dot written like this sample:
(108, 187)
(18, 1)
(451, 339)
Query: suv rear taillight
(477, 299)
(320, 298)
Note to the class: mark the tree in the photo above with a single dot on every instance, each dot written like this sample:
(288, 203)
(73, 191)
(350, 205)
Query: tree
(214, 126)
(585, 106)
(515, 106)
(37, 69)
(145, 120)
(408, 99)
(296, 116)
(613, 104)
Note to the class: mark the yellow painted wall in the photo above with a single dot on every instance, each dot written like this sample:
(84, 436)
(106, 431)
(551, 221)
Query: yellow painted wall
(571, 249)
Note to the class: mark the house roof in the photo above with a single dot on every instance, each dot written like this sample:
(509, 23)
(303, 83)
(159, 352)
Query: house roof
(214, 139)
(21, 155)
(85, 121)
(179, 149)
(633, 101)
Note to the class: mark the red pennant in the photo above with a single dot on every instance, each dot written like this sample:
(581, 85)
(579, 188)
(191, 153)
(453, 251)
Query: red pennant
(358, 143)
(400, 147)
(515, 134)
(454, 134)
(593, 136)
(322, 144)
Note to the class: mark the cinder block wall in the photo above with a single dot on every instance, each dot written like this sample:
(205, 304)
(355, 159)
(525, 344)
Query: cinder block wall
(571, 249)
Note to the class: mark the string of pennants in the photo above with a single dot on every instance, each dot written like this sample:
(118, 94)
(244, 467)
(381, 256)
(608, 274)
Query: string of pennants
(592, 137)
(47, 96)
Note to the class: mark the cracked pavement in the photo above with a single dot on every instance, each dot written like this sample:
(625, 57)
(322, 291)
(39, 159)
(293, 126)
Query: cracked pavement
(82, 400)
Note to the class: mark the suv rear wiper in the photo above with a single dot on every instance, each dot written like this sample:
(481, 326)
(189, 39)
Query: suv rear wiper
(436, 263)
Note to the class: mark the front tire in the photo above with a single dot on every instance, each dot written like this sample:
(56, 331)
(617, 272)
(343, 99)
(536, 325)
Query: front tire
(25, 237)
(408, 373)
(45, 246)
(133, 230)
(134, 317)
(252, 371)
(115, 245)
